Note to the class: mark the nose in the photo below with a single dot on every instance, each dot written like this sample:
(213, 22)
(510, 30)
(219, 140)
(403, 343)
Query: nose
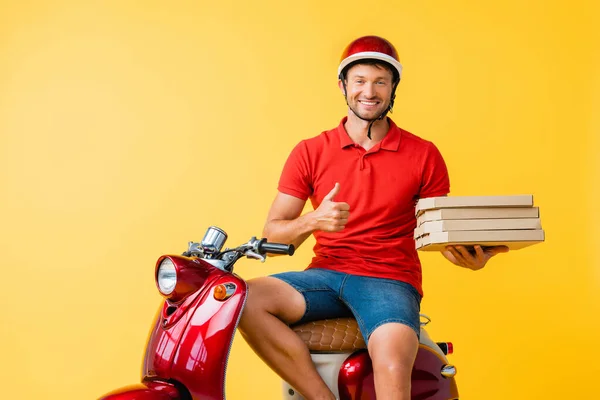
(369, 90)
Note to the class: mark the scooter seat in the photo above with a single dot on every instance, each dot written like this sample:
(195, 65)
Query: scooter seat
(331, 335)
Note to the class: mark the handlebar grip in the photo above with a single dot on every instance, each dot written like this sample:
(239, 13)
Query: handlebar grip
(275, 248)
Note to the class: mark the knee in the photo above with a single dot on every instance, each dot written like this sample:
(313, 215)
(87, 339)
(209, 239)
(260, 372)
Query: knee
(255, 298)
(269, 296)
(395, 359)
(393, 367)
(259, 300)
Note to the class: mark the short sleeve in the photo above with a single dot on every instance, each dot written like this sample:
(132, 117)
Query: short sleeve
(296, 178)
(434, 178)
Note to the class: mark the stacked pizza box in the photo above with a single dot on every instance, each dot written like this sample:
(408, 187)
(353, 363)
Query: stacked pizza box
(510, 221)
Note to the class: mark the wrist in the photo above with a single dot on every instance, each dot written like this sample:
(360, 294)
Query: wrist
(309, 222)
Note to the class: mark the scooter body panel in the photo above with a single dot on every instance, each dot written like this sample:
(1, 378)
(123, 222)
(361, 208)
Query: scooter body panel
(328, 366)
(172, 321)
(356, 377)
(200, 362)
(147, 391)
(190, 340)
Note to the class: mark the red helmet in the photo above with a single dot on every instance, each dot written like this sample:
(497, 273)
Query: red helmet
(370, 47)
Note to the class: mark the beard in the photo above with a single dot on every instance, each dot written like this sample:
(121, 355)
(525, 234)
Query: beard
(370, 115)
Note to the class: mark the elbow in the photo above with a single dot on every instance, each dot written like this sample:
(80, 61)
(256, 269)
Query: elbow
(272, 234)
(266, 230)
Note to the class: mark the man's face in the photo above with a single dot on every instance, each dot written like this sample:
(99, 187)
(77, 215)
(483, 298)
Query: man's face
(369, 88)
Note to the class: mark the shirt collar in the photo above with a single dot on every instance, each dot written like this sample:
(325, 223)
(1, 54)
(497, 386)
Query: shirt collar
(391, 140)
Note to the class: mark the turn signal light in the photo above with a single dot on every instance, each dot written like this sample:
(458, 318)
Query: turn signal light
(220, 292)
(224, 291)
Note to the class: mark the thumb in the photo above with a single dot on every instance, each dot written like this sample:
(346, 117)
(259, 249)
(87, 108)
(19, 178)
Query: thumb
(501, 249)
(497, 249)
(333, 192)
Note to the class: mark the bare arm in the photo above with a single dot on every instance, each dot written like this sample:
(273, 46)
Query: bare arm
(284, 222)
(286, 225)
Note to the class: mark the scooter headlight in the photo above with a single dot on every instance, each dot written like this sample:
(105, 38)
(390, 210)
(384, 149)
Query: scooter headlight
(166, 277)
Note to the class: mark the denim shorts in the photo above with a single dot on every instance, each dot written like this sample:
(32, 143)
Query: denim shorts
(371, 301)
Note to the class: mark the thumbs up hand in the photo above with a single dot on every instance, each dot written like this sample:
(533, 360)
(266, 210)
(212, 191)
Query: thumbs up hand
(332, 216)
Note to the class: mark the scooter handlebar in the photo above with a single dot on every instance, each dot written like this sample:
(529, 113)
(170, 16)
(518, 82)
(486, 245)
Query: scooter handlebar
(275, 248)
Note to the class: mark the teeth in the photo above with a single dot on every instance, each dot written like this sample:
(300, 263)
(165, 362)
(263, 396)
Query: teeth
(369, 103)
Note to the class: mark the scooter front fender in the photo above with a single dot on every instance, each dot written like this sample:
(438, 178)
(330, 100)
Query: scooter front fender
(144, 391)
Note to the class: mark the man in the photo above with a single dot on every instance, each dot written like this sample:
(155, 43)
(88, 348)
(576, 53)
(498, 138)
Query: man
(363, 179)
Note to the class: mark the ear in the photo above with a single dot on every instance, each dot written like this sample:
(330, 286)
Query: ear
(341, 86)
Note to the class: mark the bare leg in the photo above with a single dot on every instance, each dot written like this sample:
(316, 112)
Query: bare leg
(272, 304)
(393, 348)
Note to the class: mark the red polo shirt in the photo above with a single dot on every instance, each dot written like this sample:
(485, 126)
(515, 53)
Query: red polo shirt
(381, 186)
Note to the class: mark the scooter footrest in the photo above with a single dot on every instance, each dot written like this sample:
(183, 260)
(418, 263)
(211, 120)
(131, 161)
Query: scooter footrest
(331, 335)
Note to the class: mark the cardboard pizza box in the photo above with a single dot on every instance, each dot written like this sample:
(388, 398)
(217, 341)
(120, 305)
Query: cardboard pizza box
(478, 213)
(513, 239)
(477, 225)
(432, 203)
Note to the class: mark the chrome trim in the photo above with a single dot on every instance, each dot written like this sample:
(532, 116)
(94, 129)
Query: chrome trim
(230, 288)
(448, 371)
(256, 256)
(194, 250)
(232, 337)
(213, 240)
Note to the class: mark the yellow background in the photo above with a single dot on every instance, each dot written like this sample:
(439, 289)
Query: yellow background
(127, 128)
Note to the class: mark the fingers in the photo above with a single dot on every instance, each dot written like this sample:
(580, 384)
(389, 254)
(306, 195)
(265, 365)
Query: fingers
(333, 221)
(457, 256)
(476, 261)
(337, 228)
(465, 253)
(343, 206)
(497, 249)
(464, 258)
(479, 252)
(340, 215)
(344, 214)
(337, 224)
(333, 193)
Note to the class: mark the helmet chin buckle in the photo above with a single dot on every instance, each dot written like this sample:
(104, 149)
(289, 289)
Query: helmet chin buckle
(371, 121)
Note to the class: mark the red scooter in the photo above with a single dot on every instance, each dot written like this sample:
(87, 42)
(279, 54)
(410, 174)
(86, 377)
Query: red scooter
(187, 351)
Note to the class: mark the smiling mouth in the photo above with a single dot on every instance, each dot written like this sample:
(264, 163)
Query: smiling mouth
(368, 103)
